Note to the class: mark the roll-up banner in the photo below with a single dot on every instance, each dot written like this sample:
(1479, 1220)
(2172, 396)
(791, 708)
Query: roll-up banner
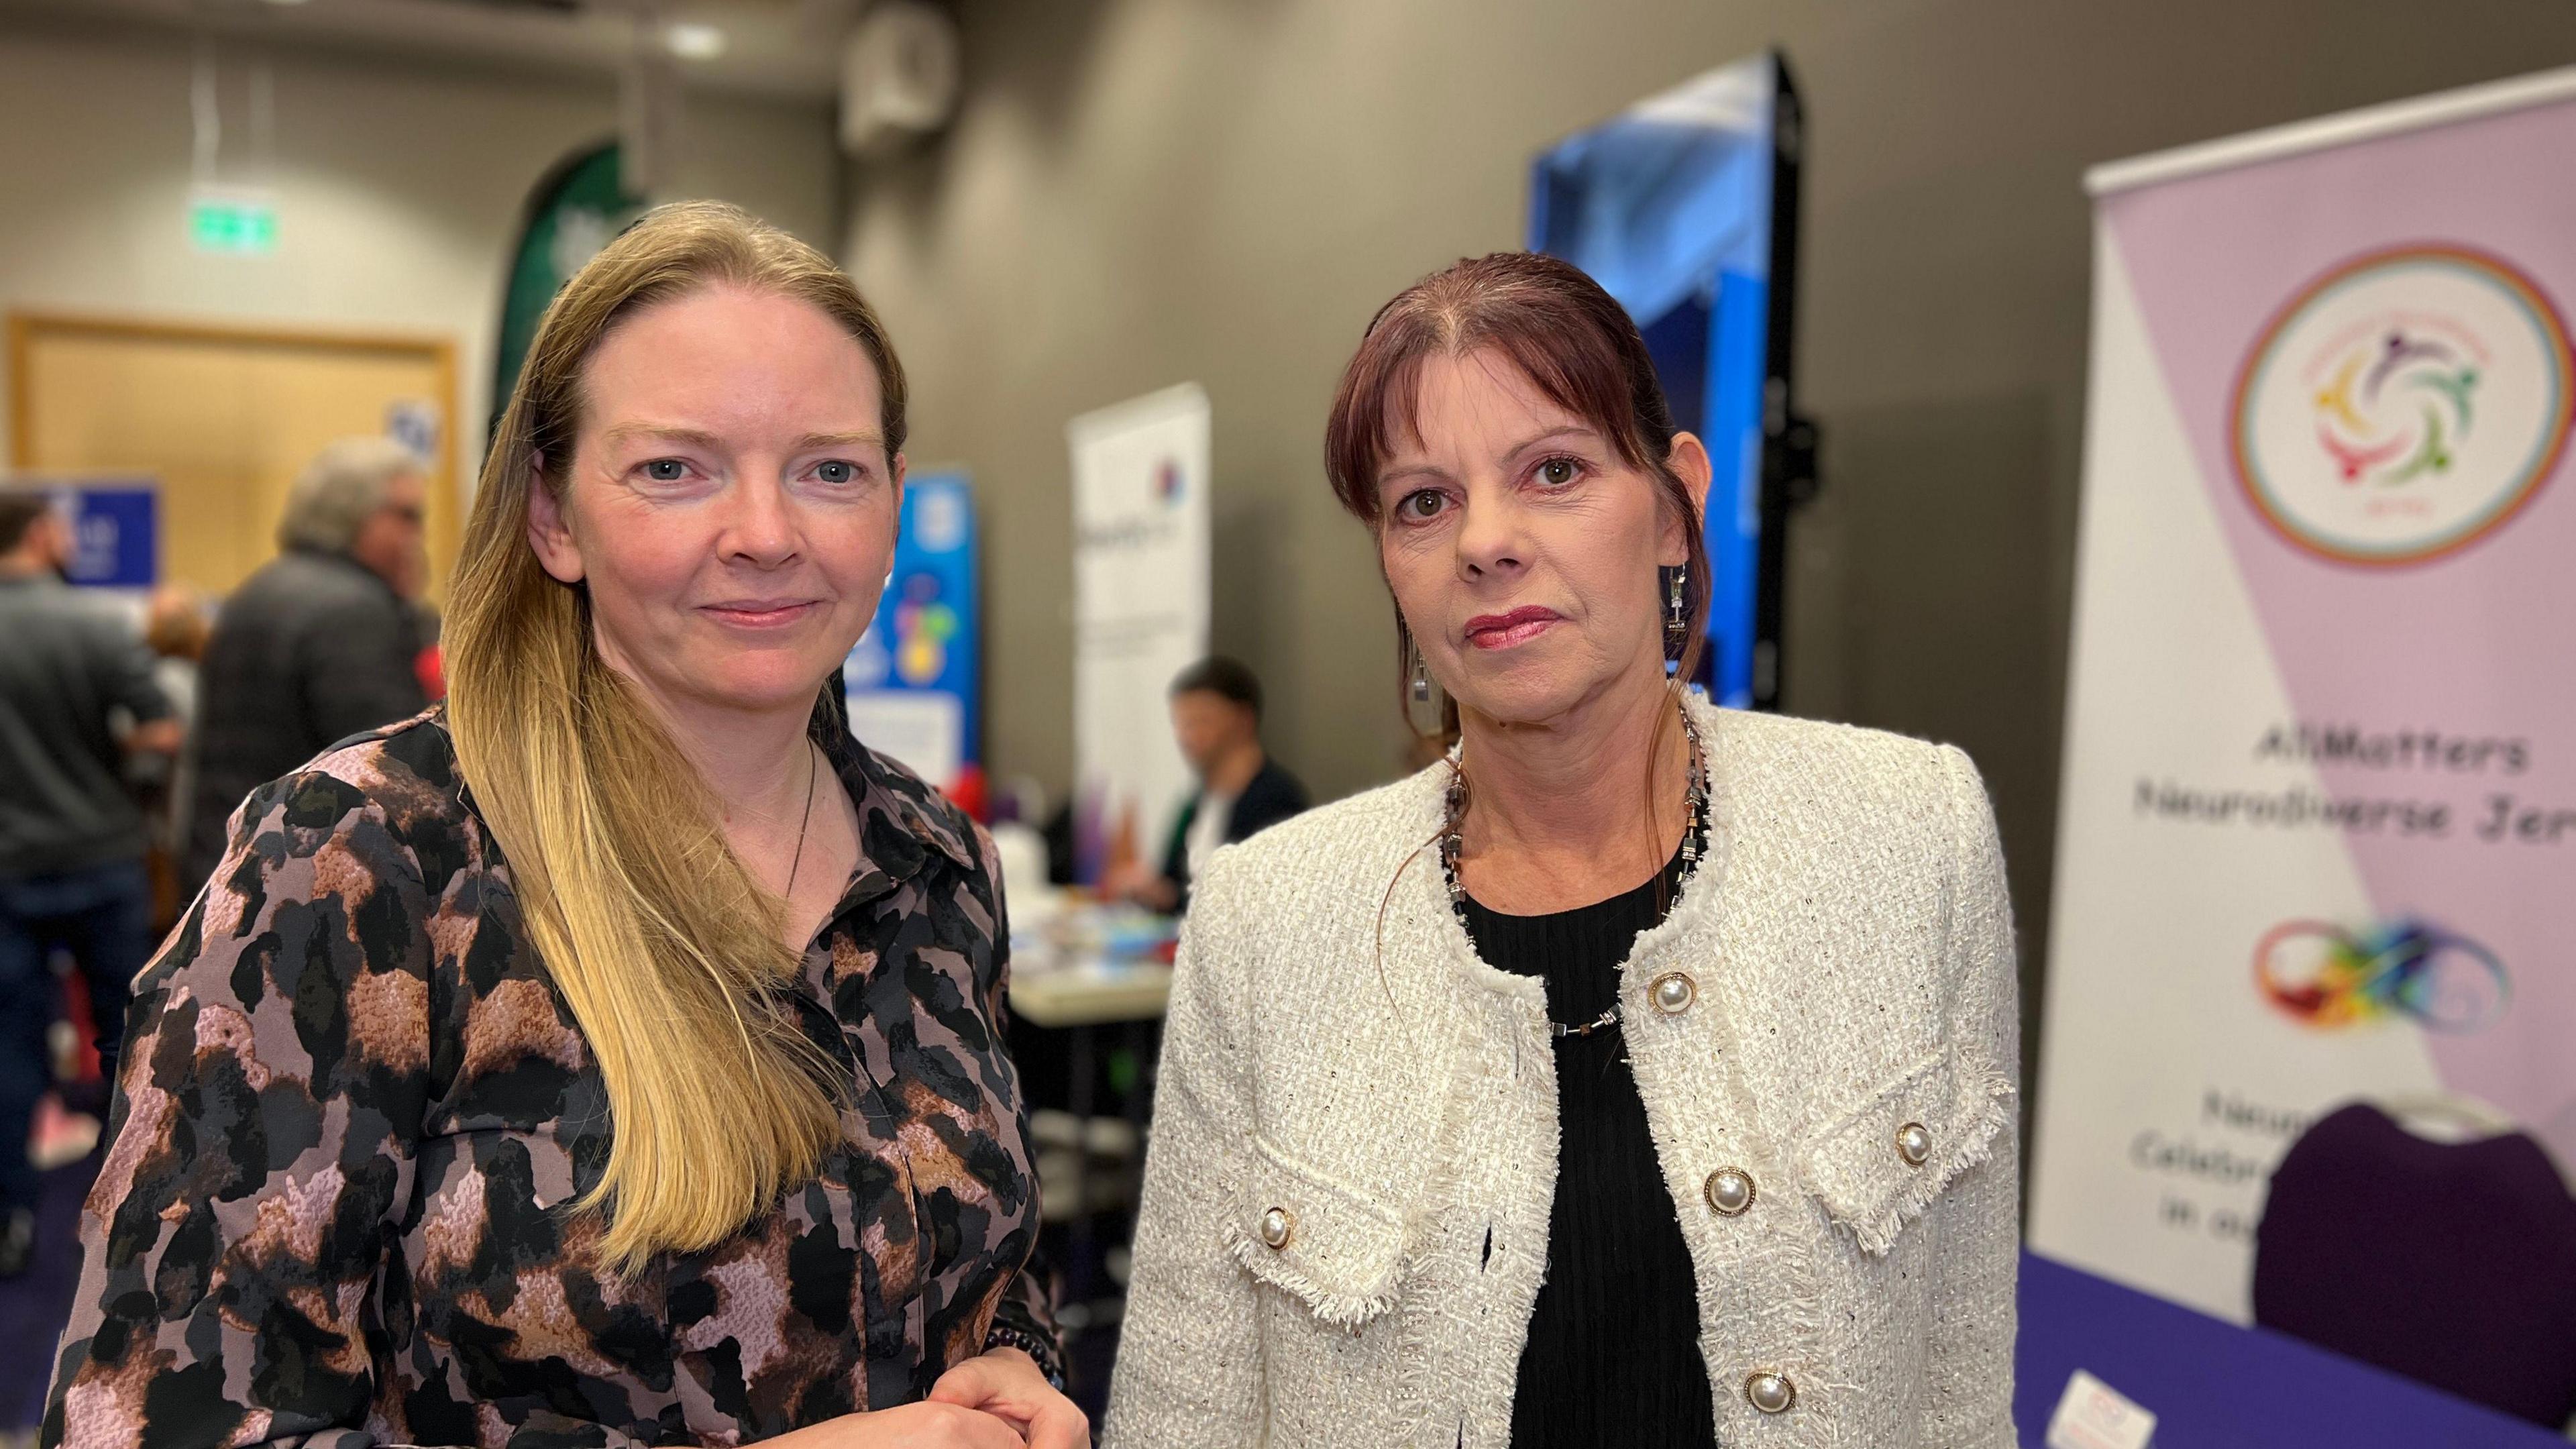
(2318, 834)
(1140, 528)
(915, 681)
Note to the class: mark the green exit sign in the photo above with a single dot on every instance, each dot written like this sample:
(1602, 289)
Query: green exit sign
(232, 223)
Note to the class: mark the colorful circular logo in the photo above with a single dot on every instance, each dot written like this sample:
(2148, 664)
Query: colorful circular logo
(2403, 405)
(2323, 976)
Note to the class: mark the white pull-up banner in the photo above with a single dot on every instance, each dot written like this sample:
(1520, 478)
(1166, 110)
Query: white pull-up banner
(1140, 611)
(2318, 834)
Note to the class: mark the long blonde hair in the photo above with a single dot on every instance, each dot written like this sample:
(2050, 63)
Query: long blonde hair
(665, 947)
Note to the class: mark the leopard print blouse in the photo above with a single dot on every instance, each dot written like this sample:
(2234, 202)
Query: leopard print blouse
(353, 1111)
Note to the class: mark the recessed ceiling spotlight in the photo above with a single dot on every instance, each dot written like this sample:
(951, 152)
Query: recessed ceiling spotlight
(688, 39)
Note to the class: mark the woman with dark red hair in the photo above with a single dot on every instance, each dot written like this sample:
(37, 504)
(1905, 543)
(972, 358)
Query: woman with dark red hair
(1641, 1073)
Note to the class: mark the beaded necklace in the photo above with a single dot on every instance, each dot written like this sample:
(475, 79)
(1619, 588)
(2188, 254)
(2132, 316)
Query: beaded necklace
(1694, 830)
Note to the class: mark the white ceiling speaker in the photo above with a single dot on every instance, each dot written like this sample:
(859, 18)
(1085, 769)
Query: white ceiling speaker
(899, 75)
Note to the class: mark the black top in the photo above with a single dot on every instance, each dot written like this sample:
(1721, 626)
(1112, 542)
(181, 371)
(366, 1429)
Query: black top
(310, 650)
(65, 661)
(1613, 1353)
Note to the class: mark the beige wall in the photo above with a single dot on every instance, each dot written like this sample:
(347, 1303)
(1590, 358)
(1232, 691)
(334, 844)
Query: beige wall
(399, 187)
(1142, 192)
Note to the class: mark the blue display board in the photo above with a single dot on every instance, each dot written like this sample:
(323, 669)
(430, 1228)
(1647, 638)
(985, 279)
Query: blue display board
(916, 679)
(116, 533)
(1670, 207)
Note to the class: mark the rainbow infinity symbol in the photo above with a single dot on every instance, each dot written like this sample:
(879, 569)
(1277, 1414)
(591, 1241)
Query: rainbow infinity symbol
(2323, 976)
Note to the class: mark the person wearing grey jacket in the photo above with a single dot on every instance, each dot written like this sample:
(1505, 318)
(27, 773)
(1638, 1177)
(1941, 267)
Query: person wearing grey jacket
(323, 642)
(76, 699)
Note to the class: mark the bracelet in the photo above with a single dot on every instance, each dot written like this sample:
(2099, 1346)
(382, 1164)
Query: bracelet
(1003, 1335)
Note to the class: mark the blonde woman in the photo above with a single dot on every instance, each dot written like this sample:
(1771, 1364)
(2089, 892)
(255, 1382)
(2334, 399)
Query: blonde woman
(1642, 1074)
(615, 1057)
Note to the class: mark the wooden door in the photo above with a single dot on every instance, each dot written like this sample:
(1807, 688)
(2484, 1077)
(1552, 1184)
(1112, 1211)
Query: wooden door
(223, 419)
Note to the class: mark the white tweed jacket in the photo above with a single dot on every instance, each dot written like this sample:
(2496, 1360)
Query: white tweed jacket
(1849, 951)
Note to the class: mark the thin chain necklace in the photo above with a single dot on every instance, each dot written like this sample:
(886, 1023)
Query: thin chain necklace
(812, 769)
(1694, 829)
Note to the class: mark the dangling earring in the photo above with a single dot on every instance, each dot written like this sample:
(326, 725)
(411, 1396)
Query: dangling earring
(1425, 707)
(1675, 630)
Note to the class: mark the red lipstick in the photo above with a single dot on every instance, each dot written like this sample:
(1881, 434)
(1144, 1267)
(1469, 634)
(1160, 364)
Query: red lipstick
(1518, 626)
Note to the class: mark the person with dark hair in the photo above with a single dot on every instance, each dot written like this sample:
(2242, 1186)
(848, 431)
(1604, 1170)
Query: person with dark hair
(1640, 1072)
(71, 836)
(1216, 717)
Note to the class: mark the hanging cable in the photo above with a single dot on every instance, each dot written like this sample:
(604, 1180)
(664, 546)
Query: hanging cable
(263, 125)
(205, 111)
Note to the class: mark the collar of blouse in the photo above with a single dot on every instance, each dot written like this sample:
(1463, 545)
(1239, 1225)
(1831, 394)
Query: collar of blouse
(902, 819)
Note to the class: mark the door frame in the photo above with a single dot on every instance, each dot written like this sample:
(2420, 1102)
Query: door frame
(27, 326)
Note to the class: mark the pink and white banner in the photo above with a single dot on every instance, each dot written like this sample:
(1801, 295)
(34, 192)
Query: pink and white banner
(2318, 834)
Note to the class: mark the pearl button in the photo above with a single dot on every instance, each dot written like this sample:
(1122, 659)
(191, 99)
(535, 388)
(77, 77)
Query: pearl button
(1771, 1393)
(1729, 1190)
(1277, 1226)
(1913, 1143)
(1673, 993)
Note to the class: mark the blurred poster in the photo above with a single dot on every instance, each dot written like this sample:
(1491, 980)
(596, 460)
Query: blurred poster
(115, 526)
(2319, 818)
(416, 423)
(915, 679)
(1140, 582)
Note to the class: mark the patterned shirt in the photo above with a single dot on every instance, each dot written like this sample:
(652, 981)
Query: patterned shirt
(354, 1108)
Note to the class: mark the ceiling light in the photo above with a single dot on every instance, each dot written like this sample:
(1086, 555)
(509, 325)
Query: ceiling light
(691, 40)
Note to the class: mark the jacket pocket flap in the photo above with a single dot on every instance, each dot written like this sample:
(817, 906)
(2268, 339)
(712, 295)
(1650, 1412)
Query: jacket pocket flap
(1880, 1166)
(1316, 1240)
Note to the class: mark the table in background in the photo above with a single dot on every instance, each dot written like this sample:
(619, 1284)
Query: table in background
(1079, 995)
(1076, 973)
(1092, 992)
(2214, 1385)
(1079, 965)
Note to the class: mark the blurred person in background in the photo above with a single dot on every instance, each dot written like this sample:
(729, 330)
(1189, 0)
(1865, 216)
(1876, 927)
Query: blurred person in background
(324, 641)
(175, 629)
(1216, 718)
(614, 1055)
(71, 834)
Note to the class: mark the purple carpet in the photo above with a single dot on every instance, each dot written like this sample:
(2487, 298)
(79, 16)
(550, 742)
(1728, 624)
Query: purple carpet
(34, 1305)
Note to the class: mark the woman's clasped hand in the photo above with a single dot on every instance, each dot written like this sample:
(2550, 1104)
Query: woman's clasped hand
(999, 1400)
